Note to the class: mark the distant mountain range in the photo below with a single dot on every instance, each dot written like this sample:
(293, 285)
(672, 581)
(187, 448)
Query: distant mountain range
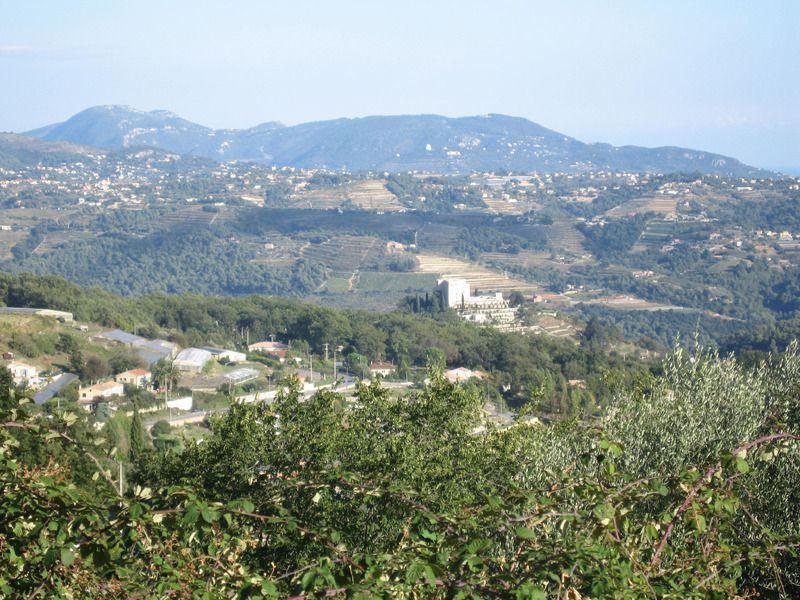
(385, 143)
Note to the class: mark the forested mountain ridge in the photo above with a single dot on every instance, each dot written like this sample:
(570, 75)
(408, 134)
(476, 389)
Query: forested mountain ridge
(392, 143)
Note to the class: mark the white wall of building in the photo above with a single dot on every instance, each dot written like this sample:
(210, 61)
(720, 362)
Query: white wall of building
(455, 292)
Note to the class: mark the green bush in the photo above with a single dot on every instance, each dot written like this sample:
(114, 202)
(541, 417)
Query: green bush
(688, 486)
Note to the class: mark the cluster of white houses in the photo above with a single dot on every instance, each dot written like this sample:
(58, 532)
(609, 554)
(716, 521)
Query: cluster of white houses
(188, 360)
(456, 293)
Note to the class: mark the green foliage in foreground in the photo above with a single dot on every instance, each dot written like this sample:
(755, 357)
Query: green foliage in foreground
(688, 486)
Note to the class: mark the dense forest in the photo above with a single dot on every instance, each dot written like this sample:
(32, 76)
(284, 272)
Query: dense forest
(168, 263)
(614, 238)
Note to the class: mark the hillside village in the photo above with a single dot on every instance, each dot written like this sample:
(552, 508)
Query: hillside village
(560, 247)
(165, 382)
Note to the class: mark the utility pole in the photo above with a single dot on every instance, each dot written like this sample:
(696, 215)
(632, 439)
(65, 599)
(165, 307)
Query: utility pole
(166, 390)
(334, 363)
(311, 366)
(326, 351)
(119, 462)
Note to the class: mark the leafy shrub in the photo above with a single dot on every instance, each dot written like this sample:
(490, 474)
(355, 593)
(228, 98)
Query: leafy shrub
(687, 487)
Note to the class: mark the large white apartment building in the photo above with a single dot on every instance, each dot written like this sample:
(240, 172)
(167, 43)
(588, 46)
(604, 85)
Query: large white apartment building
(483, 309)
(455, 292)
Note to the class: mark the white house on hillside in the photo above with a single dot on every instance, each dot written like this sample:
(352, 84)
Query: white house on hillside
(23, 373)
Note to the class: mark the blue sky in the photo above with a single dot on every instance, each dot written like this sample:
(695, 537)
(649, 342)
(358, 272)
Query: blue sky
(717, 75)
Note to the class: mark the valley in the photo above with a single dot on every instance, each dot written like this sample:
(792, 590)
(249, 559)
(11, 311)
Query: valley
(612, 245)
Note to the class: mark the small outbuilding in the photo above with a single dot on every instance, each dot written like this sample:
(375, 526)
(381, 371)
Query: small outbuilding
(223, 354)
(379, 367)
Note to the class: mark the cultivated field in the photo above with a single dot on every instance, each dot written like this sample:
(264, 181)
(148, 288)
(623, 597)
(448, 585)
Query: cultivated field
(192, 217)
(624, 302)
(553, 326)
(276, 250)
(437, 237)
(344, 253)
(504, 206)
(53, 240)
(373, 195)
(481, 278)
(368, 195)
(656, 233)
(666, 205)
(564, 236)
(9, 239)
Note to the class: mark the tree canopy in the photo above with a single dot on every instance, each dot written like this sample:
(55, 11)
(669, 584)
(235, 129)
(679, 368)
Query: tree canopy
(687, 486)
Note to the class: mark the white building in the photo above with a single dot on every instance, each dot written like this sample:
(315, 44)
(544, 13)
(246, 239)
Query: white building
(455, 292)
(483, 309)
(23, 373)
(460, 374)
(382, 368)
(192, 359)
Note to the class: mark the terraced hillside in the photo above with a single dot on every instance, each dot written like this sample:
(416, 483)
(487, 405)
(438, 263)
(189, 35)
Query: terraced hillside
(344, 253)
(9, 239)
(656, 233)
(276, 249)
(55, 239)
(564, 236)
(481, 278)
(665, 205)
(438, 237)
(368, 195)
(373, 195)
(527, 260)
(191, 217)
(506, 206)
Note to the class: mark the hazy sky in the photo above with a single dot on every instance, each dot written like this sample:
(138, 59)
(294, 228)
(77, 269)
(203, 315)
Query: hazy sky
(717, 75)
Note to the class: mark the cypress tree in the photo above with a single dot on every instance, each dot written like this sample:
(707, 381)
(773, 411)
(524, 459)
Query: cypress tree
(138, 442)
